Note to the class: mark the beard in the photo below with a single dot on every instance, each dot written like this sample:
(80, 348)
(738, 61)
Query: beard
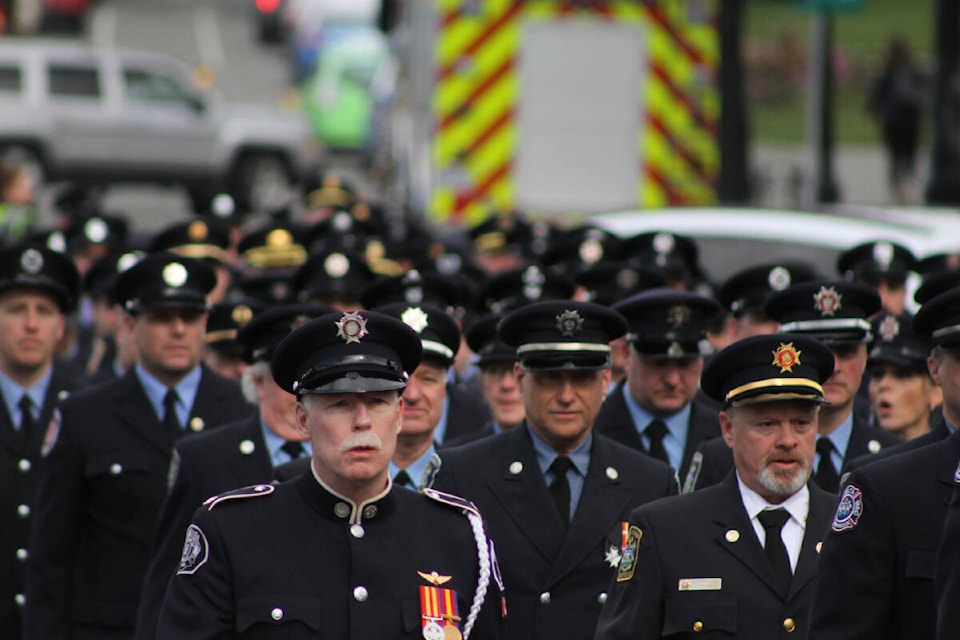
(784, 483)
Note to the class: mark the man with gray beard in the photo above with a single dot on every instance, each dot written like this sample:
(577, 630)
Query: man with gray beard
(739, 558)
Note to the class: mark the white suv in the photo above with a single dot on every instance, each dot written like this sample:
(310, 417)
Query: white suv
(109, 116)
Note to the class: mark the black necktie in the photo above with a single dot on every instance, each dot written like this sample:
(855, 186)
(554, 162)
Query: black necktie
(403, 479)
(26, 418)
(170, 419)
(656, 430)
(827, 478)
(773, 521)
(560, 487)
(292, 448)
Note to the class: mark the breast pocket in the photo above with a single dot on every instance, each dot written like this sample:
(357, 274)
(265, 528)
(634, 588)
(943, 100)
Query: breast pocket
(119, 475)
(703, 614)
(280, 615)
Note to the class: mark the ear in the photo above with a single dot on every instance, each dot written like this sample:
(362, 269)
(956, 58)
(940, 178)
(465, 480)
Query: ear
(933, 366)
(726, 428)
(519, 374)
(301, 414)
(607, 375)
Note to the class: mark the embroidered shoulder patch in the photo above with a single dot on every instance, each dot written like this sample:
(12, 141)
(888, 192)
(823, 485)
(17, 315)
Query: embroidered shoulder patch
(51, 435)
(195, 551)
(849, 509)
(450, 499)
(253, 491)
(628, 559)
(690, 482)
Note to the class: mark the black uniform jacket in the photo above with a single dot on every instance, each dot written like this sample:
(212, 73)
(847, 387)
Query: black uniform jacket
(883, 560)
(101, 488)
(938, 431)
(19, 471)
(467, 413)
(615, 421)
(296, 561)
(204, 465)
(556, 579)
(699, 571)
(948, 569)
(715, 459)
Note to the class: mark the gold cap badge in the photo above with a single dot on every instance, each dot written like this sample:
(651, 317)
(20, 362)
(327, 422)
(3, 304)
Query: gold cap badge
(786, 356)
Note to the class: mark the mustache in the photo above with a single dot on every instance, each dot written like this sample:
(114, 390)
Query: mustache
(365, 439)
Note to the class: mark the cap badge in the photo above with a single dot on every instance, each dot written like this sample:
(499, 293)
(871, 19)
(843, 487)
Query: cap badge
(336, 265)
(174, 275)
(778, 278)
(352, 327)
(32, 261)
(883, 254)
(675, 350)
(415, 318)
(342, 222)
(569, 323)
(411, 277)
(197, 231)
(627, 279)
(786, 356)
(96, 230)
(678, 315)
(533, 276)
(279, 238)
(413, 295)
(241, 314)
(827, 301)
(56, 241)
(664, 243)
(889, 328)
(591, 250)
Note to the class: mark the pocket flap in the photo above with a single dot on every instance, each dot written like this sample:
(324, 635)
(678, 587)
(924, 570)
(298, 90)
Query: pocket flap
(280, 608)
(700, 611)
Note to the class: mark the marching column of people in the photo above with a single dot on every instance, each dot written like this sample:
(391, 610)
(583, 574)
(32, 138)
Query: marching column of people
(480, 436)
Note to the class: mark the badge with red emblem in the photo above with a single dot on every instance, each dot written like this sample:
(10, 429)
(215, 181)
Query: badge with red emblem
(786, 356)
(826, 301)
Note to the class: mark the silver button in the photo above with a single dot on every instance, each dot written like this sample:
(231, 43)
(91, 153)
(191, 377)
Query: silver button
(545, 597)
(369, 511)
(356, 530)
(276, 613)
(516, 467)
(63, 394)
(602, 598)
(116, 468)
(23, 510)
(341, 509)
(21, 554)
(612, 474)
(20, 599)
(360, 594)
(247, 447)
(24, 465)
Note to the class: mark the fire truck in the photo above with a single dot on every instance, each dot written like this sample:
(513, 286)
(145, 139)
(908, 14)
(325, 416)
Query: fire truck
(558, 107)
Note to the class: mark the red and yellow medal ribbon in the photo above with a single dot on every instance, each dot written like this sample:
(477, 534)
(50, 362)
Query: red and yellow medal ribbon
(439, 607)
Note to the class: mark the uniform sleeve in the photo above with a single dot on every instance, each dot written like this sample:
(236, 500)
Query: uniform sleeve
(199, 599)
(634, 607)
(175, 516)
(55, 531)
(855, 575)
(948, 572)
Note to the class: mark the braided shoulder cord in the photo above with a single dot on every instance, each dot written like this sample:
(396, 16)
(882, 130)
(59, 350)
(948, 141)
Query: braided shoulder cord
(483, 582)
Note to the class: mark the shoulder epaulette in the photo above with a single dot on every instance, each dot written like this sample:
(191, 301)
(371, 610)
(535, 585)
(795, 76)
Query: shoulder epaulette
(451, 500)
(252, 491)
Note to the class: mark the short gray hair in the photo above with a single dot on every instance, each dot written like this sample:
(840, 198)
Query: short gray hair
(258, 370)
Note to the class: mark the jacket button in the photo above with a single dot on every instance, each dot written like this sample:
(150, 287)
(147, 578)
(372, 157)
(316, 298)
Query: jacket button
(20, 599)
(697, 626)
(24, 465)
(115, 469)
(276, 613)
(789, 625)
(545, 597)
(341, 509)
(360, 594)
(602, 598)
(23, 510)
(22, 554)
(357, 531)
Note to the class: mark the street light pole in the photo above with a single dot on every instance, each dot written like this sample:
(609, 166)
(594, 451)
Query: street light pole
(823, 188)
(944, 184)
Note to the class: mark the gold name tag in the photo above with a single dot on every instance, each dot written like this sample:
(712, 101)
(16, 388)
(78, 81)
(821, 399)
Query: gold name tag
(700, 584)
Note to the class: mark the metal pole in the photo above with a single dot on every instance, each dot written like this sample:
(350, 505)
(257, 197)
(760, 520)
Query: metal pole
(822, 186)
(944, 184)
(734, 185)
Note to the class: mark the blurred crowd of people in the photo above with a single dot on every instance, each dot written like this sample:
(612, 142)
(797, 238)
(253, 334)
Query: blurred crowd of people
(569, 383)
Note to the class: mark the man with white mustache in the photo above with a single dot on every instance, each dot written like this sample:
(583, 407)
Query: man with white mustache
(739, 558)
(341, 551)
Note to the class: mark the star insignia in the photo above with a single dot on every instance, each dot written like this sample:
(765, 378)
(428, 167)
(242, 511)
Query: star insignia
(569, 323)
(889, 328)
(678, 315)
(827, 301)
(612, 556)
(415, 318)
(352, 327)
(786, 356)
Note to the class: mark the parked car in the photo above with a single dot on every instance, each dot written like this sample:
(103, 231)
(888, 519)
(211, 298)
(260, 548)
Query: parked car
(73, 112)
(349, 97)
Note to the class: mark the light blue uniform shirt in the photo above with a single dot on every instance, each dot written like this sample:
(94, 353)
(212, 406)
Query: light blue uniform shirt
(423, 470)
(12, 392)
(580, 457)
(840, 439)
(274, 443)
(678, 426)
(156, 391)
(441, 429)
